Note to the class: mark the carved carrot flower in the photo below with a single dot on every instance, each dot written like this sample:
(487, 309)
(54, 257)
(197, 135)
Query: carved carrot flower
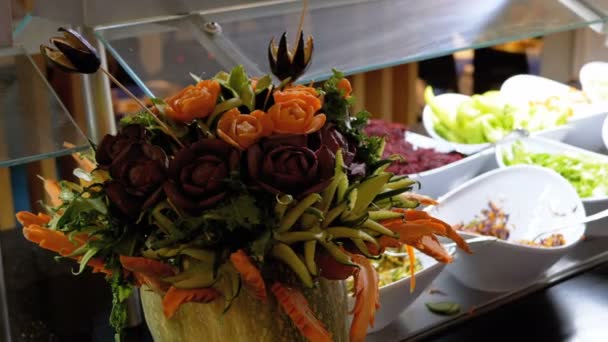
(307, 94)
(244, 130)
(194, 102)
(294, 111)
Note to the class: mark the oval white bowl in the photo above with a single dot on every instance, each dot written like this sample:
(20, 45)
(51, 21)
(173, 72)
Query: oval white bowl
(592, 204)
(586, 119)
(586, 131)
(530, 195)
(396, 297)
(605, 133)
(525, 88)
(438, 181)
(451, 100)
(588, 74)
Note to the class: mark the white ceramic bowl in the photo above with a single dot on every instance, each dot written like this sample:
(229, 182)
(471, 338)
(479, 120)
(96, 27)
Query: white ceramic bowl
(588, 75)
(532, 196)
(438, 181)
(525, 88)
(586, 131)
(587, 118)
(451, 100)
(448, 100)
(592, 204)
(605, 133)
(396, 297)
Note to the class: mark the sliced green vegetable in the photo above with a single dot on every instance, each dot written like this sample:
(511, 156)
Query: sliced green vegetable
(443, 308)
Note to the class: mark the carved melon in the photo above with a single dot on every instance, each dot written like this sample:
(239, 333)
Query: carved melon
(248, 319)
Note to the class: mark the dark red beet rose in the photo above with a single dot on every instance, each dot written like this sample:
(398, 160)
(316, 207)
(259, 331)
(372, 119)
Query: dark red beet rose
(334, 140)
(138, 174)
(112, 145)
(198, 174)
(285, 164)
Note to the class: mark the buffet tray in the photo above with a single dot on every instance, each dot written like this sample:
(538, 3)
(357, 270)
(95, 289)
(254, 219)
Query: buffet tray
(417, 322)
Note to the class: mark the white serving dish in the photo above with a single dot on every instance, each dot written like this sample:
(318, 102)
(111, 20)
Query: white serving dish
(586, 131)
(592, 204)
(450, 100)
(532, 196)
(587, 118)
(588, 74)
(396, 297)
(438, 181)
(526, 88)
(605, 133)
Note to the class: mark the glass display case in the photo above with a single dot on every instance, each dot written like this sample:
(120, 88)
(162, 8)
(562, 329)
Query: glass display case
(160, 51)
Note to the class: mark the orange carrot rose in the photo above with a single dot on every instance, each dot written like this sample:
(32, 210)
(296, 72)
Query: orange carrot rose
(306, 94)
(242, 130)
(345, 86)
(194, 102)
(295, 117)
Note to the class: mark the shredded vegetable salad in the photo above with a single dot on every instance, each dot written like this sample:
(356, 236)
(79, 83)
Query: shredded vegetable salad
(589, 176)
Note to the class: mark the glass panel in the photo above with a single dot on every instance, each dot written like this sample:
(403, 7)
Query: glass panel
(34, 124)
(352, 36)
(598, 5)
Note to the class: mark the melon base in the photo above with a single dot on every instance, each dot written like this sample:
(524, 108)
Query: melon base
(248, 319)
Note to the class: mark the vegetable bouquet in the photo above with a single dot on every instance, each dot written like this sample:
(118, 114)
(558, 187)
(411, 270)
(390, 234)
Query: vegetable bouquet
(206, 193)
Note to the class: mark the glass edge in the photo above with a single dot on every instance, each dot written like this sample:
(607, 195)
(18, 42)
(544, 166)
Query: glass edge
(422, 56)
(138, 81)
(41, 156)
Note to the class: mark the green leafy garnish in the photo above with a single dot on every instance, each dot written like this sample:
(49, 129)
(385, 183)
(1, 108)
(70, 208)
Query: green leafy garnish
(238, 212)
(336, 108)
(121, 291)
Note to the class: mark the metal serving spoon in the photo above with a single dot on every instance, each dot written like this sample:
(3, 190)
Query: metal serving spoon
(569, 225)
(445, 147)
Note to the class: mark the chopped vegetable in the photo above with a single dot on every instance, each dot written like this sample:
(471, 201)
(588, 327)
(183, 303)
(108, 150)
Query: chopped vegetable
(394, 266)
(413, 160)
(147, 267)
(494, 222)
(487, 118)
(250, 273)
(367, 298)
(174, 298)
(588, 175)
(296, 307)
(443, 308)
(553, 240)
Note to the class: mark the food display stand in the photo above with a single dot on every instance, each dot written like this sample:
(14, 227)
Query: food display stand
(167, 43)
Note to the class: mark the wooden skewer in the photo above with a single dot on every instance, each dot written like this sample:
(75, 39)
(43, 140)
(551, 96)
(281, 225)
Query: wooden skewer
(142, 105)
(301, 25)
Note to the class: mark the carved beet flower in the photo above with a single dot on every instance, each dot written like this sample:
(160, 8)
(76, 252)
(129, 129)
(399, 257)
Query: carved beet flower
(113, 145)
(73, 53)
(198, 175)
(290, 64)
(288, 165)
(138, 174)
(334, 140)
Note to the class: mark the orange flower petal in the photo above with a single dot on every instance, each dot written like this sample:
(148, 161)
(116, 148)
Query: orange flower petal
(317, 122)
(344, 85)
